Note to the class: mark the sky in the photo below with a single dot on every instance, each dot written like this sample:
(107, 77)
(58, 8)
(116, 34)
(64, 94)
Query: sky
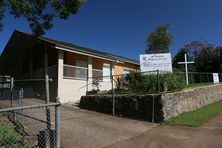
(121, 26)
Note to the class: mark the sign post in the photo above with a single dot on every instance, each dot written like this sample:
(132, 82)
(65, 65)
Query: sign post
(186, 68)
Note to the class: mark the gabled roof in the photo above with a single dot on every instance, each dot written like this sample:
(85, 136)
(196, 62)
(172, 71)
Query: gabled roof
(75, 48)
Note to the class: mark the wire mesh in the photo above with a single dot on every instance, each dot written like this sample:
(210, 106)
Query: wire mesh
(28, 127)
(22, 93)
(25, 119)
(153, 82)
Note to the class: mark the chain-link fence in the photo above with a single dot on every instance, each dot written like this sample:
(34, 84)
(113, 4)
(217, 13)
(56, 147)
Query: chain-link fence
(15, 93)
(148, 82)
(27, 117)
(30, 126)
(198, 77)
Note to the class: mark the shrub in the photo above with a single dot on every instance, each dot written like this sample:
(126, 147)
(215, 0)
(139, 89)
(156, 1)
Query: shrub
(171, 82)
(148, 83)
(119, 81)
(95, 83)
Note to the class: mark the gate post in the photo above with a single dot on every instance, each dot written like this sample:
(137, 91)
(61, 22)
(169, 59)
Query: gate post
(11, 90)
(57, 123)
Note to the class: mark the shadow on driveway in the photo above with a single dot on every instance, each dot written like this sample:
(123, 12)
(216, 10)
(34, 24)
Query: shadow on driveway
(82, 128)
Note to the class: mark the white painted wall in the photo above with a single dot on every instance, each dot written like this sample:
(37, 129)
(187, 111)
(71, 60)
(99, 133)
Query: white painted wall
(70, 90)
(105, 86)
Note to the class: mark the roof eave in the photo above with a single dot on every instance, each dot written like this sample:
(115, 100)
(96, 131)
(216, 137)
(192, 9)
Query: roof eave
(111, 59)
(73, 50)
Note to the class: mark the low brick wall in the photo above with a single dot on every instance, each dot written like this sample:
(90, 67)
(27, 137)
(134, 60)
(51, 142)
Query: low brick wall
(191, 99)
(133, 106)
(166, 105)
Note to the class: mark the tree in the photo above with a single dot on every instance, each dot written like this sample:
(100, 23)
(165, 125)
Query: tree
(39, 13)
(159, 40)
(207, 57)
(209, 60)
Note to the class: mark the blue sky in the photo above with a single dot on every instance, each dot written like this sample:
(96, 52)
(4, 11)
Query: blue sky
(121, 26)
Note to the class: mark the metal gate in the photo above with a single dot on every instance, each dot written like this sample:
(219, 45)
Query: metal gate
(10, 96)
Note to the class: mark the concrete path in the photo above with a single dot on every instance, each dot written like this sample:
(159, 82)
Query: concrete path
(207, 136)
(81, 128)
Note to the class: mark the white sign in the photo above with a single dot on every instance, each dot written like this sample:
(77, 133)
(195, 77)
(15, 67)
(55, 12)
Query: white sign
(216, 78)
(152, 62)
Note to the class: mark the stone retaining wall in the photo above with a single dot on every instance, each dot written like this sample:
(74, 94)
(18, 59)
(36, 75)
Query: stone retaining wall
(191, 99)
(166, 105)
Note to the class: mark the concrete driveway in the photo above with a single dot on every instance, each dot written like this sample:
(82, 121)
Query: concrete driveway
(82, 128)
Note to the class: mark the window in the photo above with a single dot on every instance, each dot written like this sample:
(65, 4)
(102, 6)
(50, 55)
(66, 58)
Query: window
(106, 73)
(81, 70)
(126, 71)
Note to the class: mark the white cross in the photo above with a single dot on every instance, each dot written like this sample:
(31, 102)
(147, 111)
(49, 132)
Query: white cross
(186, 69)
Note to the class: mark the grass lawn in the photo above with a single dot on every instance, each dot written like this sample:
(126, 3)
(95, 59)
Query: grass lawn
(197, 117)
(8, 136)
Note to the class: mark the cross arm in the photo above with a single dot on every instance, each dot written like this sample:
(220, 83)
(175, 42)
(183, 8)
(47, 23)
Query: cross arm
(191, 62)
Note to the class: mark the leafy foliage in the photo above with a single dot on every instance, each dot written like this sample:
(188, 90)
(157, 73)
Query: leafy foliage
(159, 40)
(148, 83)
(206, 56)
(95, 83)
(9, 138)
(39, 13)
(171, 82)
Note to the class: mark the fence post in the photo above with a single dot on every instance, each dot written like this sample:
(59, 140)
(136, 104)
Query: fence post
(200, 78)
(208, 78)
(87, 84)
(153, 109)
(47, 88)
(113, 95)
(57, 123)
(48, 118)
(158, 82)
(11, 90)
(21, 97)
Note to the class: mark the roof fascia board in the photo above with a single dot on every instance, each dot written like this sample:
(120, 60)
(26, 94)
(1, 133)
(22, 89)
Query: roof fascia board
(86, 54)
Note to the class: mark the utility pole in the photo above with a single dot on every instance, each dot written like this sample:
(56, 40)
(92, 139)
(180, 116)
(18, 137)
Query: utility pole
(186, 69)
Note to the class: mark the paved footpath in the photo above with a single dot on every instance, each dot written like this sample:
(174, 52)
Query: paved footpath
(208, 135)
